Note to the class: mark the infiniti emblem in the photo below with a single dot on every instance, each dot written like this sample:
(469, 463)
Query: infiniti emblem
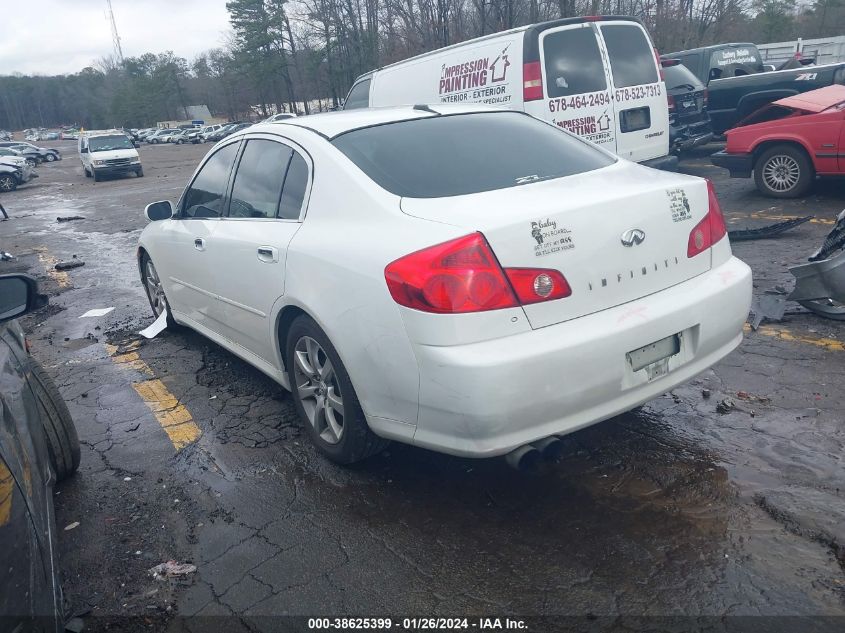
(633, 237)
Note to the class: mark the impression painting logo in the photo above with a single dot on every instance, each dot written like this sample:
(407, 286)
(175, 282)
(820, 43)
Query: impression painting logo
(479, 80)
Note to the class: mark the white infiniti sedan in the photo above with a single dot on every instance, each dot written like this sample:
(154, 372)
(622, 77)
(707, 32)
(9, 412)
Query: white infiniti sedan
(467, 280)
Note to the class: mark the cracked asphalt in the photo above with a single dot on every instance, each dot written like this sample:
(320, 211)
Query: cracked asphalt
(673, 509)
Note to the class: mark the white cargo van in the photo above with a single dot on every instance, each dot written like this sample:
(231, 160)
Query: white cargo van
(598, 77)
(108, 152)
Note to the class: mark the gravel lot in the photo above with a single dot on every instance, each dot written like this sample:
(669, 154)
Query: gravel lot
(674, 509)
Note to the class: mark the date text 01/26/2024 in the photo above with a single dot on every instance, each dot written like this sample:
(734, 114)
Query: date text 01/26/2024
(416, 624)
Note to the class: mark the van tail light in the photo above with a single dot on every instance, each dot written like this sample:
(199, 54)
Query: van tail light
(671, 100)
(659, 65)
(532, 81)
(463, 275)
(711, 229)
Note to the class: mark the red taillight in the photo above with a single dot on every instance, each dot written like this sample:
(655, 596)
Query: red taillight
(671, 101)
(532, 81)
(659, 65)
(711, 229)
(463, 275)
(533, 285)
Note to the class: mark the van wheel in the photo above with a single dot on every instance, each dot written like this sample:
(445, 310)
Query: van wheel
(95, 175)
(139, 172)
(783, 171)
(62, 439)
(324, 397)
(86, 172)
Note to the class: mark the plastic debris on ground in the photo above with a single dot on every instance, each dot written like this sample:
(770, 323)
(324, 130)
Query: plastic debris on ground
(768, 307)
(172, 569)
(156, 327)
(69, 218)
(96, 312)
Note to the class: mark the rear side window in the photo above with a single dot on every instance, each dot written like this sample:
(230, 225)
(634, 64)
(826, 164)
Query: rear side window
(632, 60)
(573, 63)
(204, 198)
(359, 96)
(296, 183)
(258, 181)
(508, 149)
(679, 76)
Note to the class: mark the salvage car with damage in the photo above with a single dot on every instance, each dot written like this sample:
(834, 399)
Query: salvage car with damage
(457, 298)
(788, 143)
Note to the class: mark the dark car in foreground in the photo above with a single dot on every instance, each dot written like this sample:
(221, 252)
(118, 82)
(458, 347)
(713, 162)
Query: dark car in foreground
(38, 446)
(689, 123)
(786, 144)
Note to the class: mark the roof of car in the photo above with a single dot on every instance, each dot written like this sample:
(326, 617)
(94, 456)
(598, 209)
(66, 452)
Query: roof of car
(815, 100)
(332, 124)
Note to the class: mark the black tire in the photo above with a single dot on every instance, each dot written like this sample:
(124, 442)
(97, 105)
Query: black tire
(357, 441)
(62, 440)
(783, 171)
(139, 172)
(8, 182)
(95, 175)
(145, 259)
(85, 170)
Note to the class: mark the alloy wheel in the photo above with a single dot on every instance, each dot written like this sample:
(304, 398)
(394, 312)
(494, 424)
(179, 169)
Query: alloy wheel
(7, 183)
(50, 158)
(781, 173)
(318, 389)
(154, 288)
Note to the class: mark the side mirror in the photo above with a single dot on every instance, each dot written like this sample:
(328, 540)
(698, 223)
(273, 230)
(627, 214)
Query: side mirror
(83, 150)
(156, 211)
(19, 295)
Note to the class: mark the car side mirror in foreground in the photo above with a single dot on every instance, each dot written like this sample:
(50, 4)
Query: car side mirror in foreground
(19, 295)
(156, 211)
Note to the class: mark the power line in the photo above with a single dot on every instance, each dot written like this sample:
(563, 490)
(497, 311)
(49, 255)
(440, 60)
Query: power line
(118, 51)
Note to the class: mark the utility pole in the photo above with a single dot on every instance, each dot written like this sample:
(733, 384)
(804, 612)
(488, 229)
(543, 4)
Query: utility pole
(118, 51)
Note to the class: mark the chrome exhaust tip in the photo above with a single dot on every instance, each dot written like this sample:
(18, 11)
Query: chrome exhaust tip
(525, 458)
(551, 448)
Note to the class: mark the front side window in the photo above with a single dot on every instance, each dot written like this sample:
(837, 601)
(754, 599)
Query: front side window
(204, 198)
(573, 63)
(359, 96)
(258, 181)
(632, 60)
(508, 149)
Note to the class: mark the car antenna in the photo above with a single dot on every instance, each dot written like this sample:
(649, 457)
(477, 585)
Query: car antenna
(425, 108)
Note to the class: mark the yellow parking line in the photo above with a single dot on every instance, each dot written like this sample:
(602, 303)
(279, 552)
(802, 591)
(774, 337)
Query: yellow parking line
(171, 414)
(781, 333)
(49, 262)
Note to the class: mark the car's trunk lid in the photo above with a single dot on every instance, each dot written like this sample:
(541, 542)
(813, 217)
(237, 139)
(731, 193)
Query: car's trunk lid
(577, 225)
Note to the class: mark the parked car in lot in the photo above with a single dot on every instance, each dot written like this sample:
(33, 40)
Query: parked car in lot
(8, 151)
(235, 127)
(597, 77)
(171, 136)
(281, 116)
(208, 130)
(739, 84)
(41, 154)
(459, 297)
(38, 445)
(5, 135)
(10, 177)
(108, 153)
(786, 144)
(190, 135)
(219, 133)
(70, 134)
(25, 171)
(158, 136)
(689, 123)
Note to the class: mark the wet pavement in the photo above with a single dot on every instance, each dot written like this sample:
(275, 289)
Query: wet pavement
(674, 509)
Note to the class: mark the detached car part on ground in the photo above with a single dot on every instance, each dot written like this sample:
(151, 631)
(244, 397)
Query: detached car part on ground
(457, 297)
(786, 144)
(820, 285)
(38, 445)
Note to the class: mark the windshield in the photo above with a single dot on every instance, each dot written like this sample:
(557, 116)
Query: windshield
(464, 154)
(106, 143)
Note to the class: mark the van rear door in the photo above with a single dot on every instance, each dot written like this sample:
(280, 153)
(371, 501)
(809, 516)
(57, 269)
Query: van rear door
(641, 123)
(576, 84)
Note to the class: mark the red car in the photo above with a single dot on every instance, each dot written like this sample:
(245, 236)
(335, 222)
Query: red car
(786, 144)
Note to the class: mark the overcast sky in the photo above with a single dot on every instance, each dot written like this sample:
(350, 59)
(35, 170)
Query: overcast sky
(50, 37)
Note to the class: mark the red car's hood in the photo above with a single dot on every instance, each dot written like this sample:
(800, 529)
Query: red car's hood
(815, 100)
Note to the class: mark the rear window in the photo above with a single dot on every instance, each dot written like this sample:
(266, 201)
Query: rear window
(359, 96)
(573, 63)
(464, 154)
(679, 76)
(632, 60)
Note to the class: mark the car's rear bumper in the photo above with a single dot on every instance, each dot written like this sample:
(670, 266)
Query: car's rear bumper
(488, 398)
(666, 163)
(739, 165)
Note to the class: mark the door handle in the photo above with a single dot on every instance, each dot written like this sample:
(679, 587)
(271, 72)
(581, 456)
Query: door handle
(268, 254)
(199, 244)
